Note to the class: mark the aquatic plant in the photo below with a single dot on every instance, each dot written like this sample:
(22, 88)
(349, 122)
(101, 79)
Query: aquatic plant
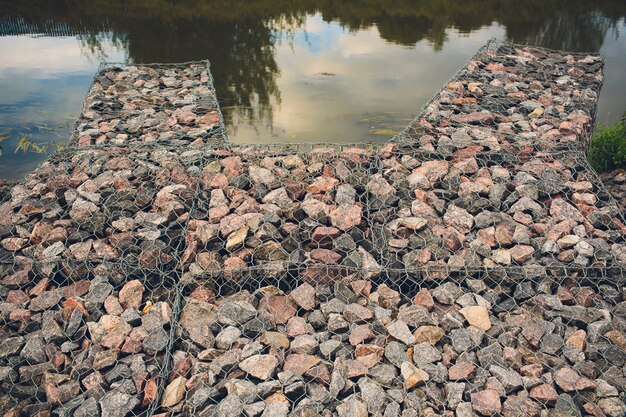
(607, 150)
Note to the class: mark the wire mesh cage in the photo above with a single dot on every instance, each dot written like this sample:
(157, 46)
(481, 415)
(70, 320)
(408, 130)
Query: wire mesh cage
(169, 104)
(359, 346)
(543, 209)
(259, 207)
(102, 204)
(472, 266)
(511, 96)
(81, 337)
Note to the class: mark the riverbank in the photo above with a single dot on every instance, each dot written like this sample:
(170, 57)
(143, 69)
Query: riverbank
(474, 265)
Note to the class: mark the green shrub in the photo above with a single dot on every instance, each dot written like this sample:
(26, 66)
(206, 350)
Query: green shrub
(607, 150)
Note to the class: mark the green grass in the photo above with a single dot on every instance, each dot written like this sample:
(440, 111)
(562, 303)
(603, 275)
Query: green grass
(607, 150)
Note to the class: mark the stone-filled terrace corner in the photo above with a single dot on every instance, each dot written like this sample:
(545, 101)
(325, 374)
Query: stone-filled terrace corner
(472, 266)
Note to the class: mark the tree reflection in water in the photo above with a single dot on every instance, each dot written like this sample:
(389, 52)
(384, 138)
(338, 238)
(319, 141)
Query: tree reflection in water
(240, 37)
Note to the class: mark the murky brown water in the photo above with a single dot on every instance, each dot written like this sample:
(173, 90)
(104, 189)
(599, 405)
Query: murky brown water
(303, 71)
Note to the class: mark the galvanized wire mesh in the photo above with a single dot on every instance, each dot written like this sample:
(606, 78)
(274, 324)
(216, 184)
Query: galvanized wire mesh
(82, 337)
(361, 347)
(173, 105)
(508, 96)
(102, 204)
(259, 207)
(544, 210)
(473, 266)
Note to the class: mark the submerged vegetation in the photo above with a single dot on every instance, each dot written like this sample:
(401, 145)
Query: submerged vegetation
(24, 140)
(607, 150)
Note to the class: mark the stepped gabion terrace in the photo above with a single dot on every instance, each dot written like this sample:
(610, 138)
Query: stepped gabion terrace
(473, 266)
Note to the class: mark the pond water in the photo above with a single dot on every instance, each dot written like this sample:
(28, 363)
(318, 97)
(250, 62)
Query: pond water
(285, 71)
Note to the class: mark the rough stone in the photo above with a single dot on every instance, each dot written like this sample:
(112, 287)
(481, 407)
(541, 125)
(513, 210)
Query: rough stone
(260, 366)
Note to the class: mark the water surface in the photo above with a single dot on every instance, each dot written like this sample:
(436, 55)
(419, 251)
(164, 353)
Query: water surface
(285, 71)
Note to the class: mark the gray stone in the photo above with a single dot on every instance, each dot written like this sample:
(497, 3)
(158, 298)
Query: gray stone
(46, 300)
(131, 316)
(352, 407)
(67, 409)
(396, 353)
(334, 305)
(88, 408)
(415, 315)
(603, 389)
(244, 389)
(383, 373)
(304, 344)
(254, 409)
(117, 404)
(436, 371)
(454, 394)
(345, 194)
(465, 410)
(345, 243)
(343, 293)
(7, 374)
(156, 341)
(260, 366)
(425, 353)
(329, 347)
(392, 410)
(229, 407)
(524, 290)
(67, 347)
(352, 260)
(491, 355)
(373, 395)
(461, 340)
(119, 371)
(125, 386)
(266, 388)
(612, 407)
(396, 394)
(99, 290)
(510, 380)
(566, 407)
(317, 319)
(337, 324)
(252, 328)
(50, 330)
(225, 362)
(356, 313)
(276, 409)
(198, 396)
(551, 343)
(337, 383)
(33, 350)
(11, 346)
(400, 331)
(226, 338)
(237, 312)
(447, 293)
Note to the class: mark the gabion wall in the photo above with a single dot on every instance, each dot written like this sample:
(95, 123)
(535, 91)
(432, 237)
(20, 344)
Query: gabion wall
(472, 266)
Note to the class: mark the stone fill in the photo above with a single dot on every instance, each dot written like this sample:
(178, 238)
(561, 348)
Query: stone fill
(474, 266)
(168, 104)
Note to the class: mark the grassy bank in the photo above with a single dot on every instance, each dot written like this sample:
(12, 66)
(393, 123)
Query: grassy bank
(607, 150)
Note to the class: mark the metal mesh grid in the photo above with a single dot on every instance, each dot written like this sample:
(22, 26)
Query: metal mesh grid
(494, 92)
(259, 207)
(391, 345)
(481, 211)
(215, 280)
(80, 337)
(102, 204)
(129, 105)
